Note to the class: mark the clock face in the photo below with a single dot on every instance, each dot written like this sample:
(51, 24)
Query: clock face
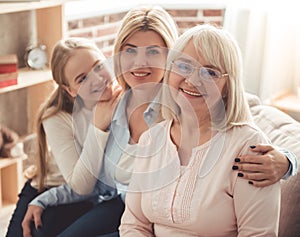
(37, 58)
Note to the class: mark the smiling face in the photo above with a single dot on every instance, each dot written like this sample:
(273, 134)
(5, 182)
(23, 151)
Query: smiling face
(142, 58)
(88, 76)
(195, 81)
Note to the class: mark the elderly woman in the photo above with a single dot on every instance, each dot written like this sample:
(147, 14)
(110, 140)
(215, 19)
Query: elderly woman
(183, 184)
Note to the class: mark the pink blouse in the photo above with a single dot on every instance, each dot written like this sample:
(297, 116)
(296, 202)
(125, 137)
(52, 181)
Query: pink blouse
(204, 198)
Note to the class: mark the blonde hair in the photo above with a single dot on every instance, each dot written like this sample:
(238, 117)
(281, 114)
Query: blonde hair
(220, 50)
(143, 18)
(59, 100)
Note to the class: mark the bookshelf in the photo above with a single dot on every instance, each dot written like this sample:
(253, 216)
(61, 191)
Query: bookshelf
(36, 84)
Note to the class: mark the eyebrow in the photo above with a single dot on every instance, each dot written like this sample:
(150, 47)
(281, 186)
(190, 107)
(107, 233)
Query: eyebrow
(148, 47)
(82, 74)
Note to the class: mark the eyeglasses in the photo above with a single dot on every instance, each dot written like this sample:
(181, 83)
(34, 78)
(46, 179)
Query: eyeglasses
(186, 70)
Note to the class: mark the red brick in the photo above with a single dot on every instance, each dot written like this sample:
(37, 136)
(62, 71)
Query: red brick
(103, 31)
(176, 13)
(116, 17)
(88, 34)
(73, 25)
(188, 24)
(213, 12)
(93, 21)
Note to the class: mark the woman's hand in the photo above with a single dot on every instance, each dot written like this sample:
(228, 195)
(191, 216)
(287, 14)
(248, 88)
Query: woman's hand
(104, 110)
(264, 168)
(33, 214)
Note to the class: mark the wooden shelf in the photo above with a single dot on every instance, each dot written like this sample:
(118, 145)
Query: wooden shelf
(11, 7)
(28, 77)
(11, 179)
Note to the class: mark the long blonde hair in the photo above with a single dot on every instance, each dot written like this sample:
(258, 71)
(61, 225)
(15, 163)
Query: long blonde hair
(143, 18)
(59, 100)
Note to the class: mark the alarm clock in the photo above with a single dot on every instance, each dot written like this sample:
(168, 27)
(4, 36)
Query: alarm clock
(36, 57)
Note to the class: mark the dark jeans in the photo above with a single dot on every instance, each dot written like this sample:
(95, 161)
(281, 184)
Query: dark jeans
(54, 219)
(27, 194)
(101, 220)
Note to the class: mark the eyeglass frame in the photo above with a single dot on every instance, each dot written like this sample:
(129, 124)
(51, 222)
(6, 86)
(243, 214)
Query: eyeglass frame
(221, 75)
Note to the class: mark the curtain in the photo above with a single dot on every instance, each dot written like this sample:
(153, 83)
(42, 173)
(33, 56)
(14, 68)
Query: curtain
(268, 33)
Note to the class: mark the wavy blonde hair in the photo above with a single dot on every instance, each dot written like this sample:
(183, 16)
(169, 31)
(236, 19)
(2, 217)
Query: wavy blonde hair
(59, 100)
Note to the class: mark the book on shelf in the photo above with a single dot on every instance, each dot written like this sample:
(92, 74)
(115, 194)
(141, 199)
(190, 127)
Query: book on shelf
(8, 63)
(8, 79)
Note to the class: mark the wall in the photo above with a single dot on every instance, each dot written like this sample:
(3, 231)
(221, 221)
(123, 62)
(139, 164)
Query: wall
(102, 27)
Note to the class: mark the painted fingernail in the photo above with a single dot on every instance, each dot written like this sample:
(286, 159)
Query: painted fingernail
(250, 182)
(240, 175)
(252, 147)
(237, 159)
(235, 167)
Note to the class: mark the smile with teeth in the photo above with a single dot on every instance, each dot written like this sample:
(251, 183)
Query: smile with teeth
(140, 74)
(192, 93)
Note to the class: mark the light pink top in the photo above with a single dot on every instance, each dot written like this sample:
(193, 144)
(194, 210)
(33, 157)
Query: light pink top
(204, 198)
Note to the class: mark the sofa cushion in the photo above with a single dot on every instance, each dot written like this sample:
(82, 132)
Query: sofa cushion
(283, 131)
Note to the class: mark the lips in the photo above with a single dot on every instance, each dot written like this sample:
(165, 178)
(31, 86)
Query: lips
(140, 74)
(191, 93)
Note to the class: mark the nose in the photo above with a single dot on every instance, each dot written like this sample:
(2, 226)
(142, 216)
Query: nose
(141, 58)
(193, 80)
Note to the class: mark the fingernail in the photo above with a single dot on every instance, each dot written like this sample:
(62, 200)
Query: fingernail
(250, 182)
(237, 159)
(240, 174)
(39, 227)
(235, 167)
(252, 147)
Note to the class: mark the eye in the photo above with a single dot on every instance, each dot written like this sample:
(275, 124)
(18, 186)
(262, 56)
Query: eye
(183, 67)
(82, 79)
(98, 67)
(208, 73)
(130, 50)
(153, 52)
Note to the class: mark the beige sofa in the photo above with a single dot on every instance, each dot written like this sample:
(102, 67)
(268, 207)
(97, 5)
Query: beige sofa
(284, 132)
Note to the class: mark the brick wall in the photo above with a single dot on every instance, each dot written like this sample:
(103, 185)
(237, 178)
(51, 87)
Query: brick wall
(102, 29)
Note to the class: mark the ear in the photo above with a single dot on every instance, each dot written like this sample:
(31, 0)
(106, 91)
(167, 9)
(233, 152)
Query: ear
(69, 91)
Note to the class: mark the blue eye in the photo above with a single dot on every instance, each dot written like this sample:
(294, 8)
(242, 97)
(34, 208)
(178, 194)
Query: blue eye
(153, 52)
(130, 50)
(183, 67)
(208, 73)
(98, 67)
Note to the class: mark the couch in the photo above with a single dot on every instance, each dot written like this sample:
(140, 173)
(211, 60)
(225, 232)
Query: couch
(283, 131)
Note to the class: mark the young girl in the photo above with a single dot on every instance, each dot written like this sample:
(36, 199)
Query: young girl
(88, 84)
(182, 184)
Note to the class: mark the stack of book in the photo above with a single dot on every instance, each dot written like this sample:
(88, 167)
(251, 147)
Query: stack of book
(8, 70)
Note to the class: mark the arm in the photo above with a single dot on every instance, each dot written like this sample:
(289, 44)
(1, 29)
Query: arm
(257, 209)
(268, 166)
(133, 222)
(80, 169)
(52, 197)
(59, 195)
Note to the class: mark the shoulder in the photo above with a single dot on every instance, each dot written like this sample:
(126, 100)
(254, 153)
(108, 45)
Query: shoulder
(248, 132)
(58, 120)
